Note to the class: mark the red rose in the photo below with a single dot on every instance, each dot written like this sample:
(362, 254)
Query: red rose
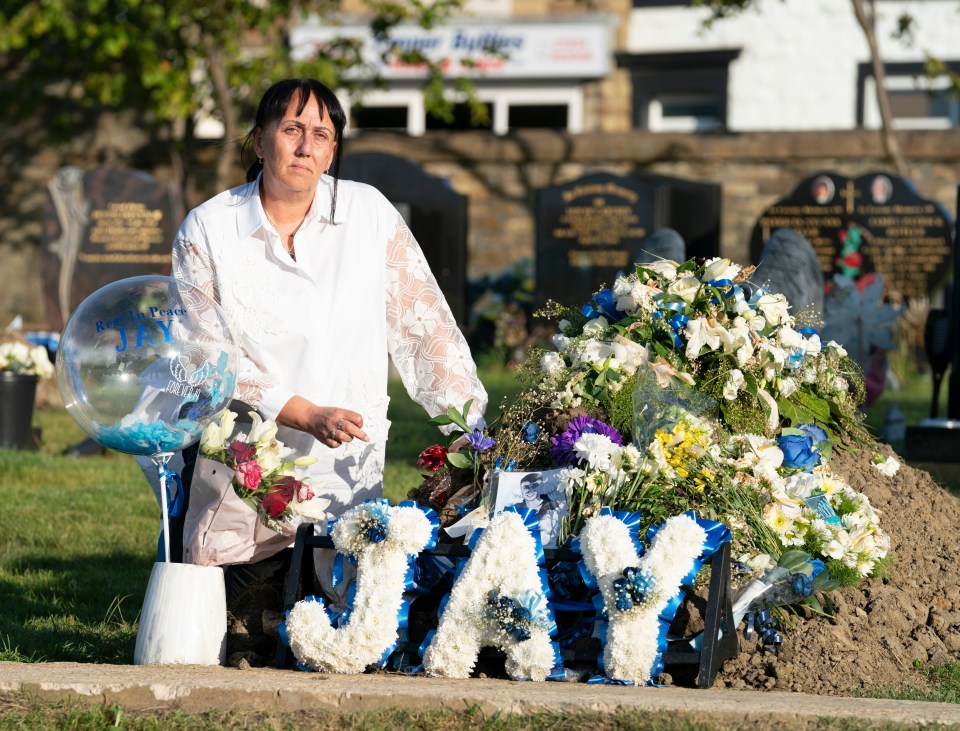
(432, 458)
(279, 495)
(241, 451)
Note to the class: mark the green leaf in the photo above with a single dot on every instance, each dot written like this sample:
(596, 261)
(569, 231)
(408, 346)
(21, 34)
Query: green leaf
(459, 460)
(460, 419)
(795, 561)
(441, 420)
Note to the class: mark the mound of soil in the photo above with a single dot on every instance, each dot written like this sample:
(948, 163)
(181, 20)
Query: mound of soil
(881, 628)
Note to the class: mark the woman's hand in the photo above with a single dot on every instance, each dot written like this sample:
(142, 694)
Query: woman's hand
(328, 424)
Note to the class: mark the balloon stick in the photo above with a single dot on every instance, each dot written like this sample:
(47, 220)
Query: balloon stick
(161, 460)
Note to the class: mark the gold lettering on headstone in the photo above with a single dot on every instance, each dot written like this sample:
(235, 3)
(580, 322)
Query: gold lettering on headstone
(125, 227)
(905, 243)
(599, 258)
(124, 258)
(598, 223)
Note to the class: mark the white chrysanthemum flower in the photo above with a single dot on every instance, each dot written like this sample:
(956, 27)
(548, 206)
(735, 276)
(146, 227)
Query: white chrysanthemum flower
(595, 450)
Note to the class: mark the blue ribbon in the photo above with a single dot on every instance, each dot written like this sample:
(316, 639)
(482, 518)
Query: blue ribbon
(604, 304)
(175, 496)
(677, 322)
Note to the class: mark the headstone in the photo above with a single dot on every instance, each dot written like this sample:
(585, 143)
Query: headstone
(788, 264)
(591, 230)
(435, 213)
(874, 223)
(102, 225)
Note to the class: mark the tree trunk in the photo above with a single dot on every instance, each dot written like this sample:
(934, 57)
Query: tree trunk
(891, 143)
(217, 68)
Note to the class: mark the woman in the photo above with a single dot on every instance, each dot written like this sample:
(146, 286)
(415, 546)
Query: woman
(321, 280)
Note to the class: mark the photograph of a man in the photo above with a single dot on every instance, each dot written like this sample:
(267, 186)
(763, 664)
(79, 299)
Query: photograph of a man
(541, 491)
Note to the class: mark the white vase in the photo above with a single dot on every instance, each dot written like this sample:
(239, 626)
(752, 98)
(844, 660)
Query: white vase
(184, 616)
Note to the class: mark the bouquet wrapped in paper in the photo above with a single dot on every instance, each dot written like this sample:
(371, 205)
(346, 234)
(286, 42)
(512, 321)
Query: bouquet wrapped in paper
(246, 499)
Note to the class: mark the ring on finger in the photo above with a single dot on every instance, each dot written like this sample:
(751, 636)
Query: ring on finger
(340, 424)
(333, 435)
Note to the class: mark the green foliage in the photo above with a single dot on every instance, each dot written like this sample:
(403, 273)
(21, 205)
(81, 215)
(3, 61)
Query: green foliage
(842, 574)
(620, 408)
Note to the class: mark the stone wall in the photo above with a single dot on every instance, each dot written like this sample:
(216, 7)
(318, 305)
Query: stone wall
(499, 174)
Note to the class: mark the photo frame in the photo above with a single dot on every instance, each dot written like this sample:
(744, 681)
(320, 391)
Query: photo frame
(542, 490)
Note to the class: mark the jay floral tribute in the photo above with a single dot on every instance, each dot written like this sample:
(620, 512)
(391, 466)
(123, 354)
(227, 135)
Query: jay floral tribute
(685, 388)
(685, 405)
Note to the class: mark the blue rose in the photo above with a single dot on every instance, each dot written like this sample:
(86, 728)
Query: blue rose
(798, 452)
(816, 433)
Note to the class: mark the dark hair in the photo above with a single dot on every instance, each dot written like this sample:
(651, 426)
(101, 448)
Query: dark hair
(274, 104)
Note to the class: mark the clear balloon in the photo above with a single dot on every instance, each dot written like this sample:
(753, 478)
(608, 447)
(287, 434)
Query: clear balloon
(145, 363)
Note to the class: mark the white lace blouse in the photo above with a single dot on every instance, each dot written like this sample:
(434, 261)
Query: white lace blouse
(322, 326)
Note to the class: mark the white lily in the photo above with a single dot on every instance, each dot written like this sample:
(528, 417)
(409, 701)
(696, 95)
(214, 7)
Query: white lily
(261, 432)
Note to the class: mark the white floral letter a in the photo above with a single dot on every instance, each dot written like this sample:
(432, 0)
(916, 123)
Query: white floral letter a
(636, 590)
(500, 582)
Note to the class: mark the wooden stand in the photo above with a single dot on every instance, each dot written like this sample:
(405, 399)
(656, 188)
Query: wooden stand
(720, 642)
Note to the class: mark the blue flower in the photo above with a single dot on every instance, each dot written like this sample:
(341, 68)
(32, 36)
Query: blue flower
(799, 452)
(816, 433)
(801, 584)
(479, 442)
(377, 533)
(531, 432)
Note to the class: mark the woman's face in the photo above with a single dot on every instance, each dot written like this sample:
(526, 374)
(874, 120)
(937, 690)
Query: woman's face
(296, 150)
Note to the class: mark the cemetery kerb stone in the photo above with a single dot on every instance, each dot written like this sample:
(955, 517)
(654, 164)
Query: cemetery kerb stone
(591, 230)
(435, 213)
(873, 223)
(100, 226)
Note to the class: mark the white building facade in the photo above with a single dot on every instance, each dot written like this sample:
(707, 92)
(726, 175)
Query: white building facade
(785, 65)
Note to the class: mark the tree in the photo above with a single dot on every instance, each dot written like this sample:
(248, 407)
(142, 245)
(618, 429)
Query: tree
(174, 60)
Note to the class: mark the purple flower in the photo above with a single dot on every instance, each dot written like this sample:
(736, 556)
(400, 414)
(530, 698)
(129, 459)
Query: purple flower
(479, 442)
(561, 445)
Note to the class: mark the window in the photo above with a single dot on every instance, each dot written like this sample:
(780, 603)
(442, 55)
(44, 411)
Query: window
(546, 116)
(685, 113)
(916, 100)
(380, 118)
(546, 106)
(679, 92)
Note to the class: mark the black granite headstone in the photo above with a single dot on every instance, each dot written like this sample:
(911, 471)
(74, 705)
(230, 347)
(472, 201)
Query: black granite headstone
(592, 229)
(435, 213)
(102, 225)
(874, 223)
